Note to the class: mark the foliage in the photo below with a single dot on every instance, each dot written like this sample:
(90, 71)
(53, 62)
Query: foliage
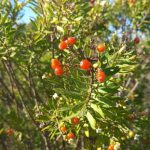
(35, 102)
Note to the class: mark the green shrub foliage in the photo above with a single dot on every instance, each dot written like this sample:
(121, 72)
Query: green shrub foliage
(35, 103)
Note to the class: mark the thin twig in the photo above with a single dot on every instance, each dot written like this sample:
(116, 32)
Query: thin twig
(133, 89)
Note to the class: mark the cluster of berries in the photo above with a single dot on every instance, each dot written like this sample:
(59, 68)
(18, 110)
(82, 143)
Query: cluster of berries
(55, 63)
(85, 64)
(8, 132)
(63, 129)
(65, 42)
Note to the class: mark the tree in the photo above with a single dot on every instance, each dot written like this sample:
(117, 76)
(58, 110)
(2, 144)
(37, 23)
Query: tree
(68, 77)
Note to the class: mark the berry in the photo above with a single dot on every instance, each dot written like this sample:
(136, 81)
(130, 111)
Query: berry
(71, 40)
(85, 64)
(63, 45)
(111, 147)
(131, 117)
(10, 131)
(137, 40)
(58, 71)
(75, 120)
(55, 63)
(132, 1)
(100, 76)
(92, 1)
(70, 135)
(63, 129)
(101, 47)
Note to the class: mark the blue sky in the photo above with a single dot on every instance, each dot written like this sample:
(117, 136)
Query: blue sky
(28, 13)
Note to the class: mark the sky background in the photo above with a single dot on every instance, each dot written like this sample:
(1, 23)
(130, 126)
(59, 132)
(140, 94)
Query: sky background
(27, 12)
(27, 15)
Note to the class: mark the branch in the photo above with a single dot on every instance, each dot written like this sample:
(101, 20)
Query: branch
(19, 88)
(90, 86)
(10, 95)
(34, 93)
(133, 89)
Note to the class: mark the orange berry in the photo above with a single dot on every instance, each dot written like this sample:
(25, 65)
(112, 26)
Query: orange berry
(111, 147)
(63, 129)
(70, 135)
(137, 40)
(55, 63)
(63, 45)
(10, 131)
(100, 76)
(75, 120)
(85, 64)
(58, 71)
(132, 1)
(101, 47)
(71, 40)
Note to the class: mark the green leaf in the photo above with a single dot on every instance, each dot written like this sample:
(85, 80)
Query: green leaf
(122, 49)
(60, 29)
(86, 132)
(98, 109)
(13, 54)
(1, 131)
(55, 20)
(3, 2)
(4, 58)
(78, 18)
(112, 70)
(91, 120)
(38, 37)
(4, 18)
(70, 94)
(102, 91)
(46, 128)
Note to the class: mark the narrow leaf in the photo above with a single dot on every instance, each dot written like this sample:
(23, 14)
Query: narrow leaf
(60, 29)
(98, 110)
(91, 120)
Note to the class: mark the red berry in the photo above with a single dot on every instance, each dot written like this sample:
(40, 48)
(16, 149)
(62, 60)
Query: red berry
(137, 40)
(10, 131)
(92, 1)
(101, 47)
(70, 135)
(63, 129)
(85, 64)
(63, 45)
(75, 120)
(55, 63)
(71, 40)
(111, 147)
(100, 76)
(58, 71)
